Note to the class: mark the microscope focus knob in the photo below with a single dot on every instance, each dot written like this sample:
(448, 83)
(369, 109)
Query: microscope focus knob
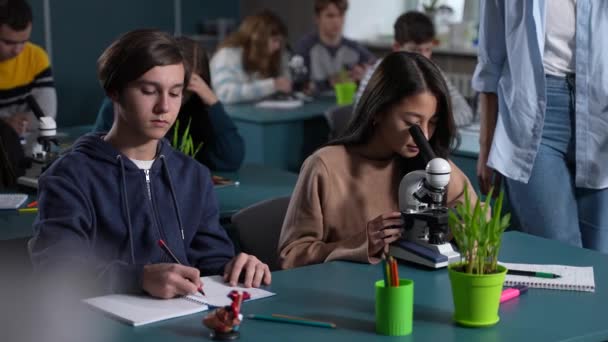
(438, 173)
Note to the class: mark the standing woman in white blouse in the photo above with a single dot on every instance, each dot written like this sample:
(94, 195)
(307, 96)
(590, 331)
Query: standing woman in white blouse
(543, 75)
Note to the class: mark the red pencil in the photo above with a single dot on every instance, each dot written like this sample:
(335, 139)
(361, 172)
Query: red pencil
(394, 273)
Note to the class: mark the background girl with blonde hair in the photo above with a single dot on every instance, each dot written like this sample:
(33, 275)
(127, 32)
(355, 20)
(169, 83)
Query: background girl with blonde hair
(251, 63)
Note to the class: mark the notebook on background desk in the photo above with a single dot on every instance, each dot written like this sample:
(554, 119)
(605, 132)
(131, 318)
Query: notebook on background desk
(281, 101)
(12, 201)
(280, 104)
(139, 310)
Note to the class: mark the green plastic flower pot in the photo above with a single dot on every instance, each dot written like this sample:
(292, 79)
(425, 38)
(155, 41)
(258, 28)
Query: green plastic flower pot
(476, 297)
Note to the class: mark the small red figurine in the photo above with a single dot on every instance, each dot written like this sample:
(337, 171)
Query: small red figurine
(224, 322)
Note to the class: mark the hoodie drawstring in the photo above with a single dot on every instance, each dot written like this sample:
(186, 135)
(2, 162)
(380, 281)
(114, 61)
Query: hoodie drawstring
(179, 217)
(126, 206)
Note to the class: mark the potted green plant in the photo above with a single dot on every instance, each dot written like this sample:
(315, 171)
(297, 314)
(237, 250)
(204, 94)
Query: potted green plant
(185, 143)
(477, 281)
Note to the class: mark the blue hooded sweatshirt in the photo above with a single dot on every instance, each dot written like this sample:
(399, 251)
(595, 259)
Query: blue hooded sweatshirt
(101, 217)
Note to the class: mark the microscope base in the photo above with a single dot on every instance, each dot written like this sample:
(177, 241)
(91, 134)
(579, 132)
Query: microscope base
(433, 256)
(30, 179)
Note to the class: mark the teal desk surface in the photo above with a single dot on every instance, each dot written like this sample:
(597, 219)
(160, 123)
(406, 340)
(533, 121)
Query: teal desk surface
(250, 113)
(282, 138)
(343, 293)
(256, 183)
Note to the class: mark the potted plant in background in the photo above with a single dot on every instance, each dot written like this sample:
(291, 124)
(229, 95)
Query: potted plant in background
(345, 88)
(477, 281)
(185, 143)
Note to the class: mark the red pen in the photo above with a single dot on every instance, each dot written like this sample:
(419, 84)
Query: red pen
(512, 292)
(33, 204)
(166, 249)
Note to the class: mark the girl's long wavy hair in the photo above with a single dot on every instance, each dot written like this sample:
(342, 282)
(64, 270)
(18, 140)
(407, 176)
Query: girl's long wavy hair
(253, 36)
(400, 75)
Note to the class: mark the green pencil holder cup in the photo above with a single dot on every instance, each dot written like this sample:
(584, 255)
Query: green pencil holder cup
(394, 308)
(345, 92)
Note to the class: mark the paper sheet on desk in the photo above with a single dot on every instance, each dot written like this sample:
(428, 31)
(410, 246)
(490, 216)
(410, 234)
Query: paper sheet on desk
(139, 310)
(217, 292)
(142, 309)
(280, 104)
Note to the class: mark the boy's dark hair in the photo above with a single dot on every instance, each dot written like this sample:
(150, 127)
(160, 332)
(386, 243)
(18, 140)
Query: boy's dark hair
(320, 5)
(414, 27)
(133, 54)
(17, 14)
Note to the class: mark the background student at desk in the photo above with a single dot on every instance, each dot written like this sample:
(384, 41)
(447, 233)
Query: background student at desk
(327, 53)
(223, 147)
(104, 205)
(25, 70)
(415, 32)
(252, 64)
(345, 204)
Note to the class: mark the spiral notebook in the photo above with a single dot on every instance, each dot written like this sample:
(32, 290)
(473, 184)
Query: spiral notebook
(139, 310)
(572, 278)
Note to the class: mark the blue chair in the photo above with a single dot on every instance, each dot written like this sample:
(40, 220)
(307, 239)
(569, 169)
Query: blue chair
(258, 228)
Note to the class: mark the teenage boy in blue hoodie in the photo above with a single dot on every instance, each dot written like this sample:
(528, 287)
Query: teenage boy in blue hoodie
(104, 206)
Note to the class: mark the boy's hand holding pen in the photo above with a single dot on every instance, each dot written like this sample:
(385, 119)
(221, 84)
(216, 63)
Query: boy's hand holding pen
(167, 280)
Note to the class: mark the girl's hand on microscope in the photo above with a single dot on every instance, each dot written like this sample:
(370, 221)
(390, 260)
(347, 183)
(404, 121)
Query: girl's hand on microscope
(382, 231)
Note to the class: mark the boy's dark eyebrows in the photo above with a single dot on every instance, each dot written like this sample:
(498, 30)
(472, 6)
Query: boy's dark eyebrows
(156, 84)
(13, 42)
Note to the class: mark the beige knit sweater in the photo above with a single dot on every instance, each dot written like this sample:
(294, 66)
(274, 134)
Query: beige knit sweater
(337, 193)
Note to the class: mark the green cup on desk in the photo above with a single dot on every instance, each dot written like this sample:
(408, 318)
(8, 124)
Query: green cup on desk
(394, 308)
(345, 92)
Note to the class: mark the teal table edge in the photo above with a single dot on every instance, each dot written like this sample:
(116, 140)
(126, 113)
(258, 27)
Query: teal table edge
(248, 112)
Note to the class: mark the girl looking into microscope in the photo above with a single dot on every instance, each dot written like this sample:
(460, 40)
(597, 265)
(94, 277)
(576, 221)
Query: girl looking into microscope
(345, 204)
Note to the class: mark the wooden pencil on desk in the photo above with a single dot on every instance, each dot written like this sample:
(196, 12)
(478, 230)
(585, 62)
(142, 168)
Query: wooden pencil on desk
(333, 325)
(295, 320)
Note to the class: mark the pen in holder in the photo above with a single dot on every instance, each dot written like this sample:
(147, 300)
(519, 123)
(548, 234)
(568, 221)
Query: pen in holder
(394, 303)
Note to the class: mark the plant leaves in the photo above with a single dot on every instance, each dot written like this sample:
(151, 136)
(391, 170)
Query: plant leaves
(477, 235)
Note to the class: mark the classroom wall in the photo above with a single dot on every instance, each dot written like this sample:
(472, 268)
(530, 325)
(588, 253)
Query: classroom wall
(81, 30)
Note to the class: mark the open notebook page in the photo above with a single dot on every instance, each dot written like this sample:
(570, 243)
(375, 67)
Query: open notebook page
(217, 292)
(141, 309)
(138, 310)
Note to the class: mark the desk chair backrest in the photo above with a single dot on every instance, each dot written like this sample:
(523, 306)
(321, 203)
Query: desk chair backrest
(258, 228)
(338, 119)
